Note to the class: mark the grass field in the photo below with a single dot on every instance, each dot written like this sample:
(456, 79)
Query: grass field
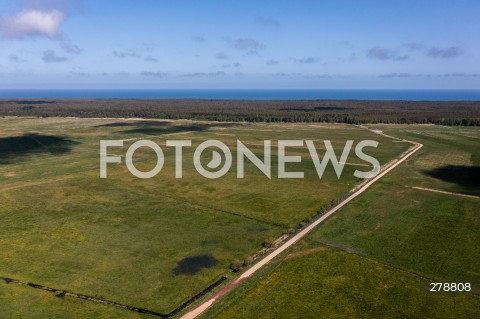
(314, 281)
(124, 239)
(400, 239)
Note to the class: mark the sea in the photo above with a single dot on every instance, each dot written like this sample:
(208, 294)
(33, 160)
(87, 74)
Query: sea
(243, 94)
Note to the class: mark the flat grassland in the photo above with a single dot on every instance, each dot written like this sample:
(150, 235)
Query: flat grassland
(377, 256)
(131, 240)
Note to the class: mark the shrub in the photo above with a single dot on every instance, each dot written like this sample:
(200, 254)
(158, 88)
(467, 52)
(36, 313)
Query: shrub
(247, 261)
(269, 242)
(236, 265)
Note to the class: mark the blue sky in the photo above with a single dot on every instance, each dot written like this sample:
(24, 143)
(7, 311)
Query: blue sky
(152, 44)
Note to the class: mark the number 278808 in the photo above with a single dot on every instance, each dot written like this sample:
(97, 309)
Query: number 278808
(450, 286)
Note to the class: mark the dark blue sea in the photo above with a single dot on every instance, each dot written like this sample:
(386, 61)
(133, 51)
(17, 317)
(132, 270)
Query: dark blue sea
(409, 95)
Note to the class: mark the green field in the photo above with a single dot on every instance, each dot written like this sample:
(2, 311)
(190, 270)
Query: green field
(399, 240)
(323, 282)
(122, 238)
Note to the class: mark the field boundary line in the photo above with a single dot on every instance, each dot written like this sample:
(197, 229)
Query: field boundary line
(62, 293)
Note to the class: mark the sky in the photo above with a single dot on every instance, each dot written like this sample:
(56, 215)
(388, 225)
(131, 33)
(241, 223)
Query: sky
(156, 44)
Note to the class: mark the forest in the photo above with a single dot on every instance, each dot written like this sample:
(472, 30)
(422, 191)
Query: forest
(464, 113)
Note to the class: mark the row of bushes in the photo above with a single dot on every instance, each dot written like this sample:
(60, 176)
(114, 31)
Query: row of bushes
(237, 264)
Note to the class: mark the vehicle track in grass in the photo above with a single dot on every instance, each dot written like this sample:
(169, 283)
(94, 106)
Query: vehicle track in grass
(444, 192)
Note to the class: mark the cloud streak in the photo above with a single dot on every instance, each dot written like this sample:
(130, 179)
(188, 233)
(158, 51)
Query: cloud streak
(234, 65)
(307, 60)
(50, 56)
(443, 53)
(272, 62)
(384, 54)
(413, 46)
(199, 39)
(461, 75)
(221, 56)
(70, 47)
(150, 59)
(153, 74)
(201, 74)
(395, 75)
(267, 22)
(15, 58)
(81, 74)
(248, 44)
(420, 75)
(125, 54)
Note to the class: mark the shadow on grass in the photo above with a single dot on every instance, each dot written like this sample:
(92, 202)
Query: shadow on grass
(163, 127)
(20, 147)
(192, 265)
(168, 129)
(466, 176)
(136, 123)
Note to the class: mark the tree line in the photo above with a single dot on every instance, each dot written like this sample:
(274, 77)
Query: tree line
(465, 113)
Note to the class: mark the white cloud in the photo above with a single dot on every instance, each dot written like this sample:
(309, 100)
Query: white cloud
(32, 23)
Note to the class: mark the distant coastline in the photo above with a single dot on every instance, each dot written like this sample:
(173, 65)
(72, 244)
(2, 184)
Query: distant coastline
(244, 94)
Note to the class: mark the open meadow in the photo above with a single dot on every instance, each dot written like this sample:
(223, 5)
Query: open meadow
(152, 243)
